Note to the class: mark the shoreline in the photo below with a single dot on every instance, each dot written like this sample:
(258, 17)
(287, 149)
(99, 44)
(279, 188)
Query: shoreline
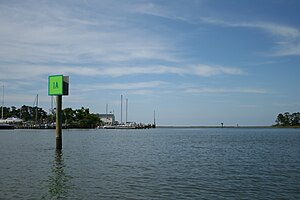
(174, 126)
(179, 127)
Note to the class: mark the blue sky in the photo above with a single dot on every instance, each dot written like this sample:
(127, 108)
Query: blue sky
(197, 62)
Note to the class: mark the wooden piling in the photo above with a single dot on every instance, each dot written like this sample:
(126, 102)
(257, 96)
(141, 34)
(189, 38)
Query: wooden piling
(59, 122)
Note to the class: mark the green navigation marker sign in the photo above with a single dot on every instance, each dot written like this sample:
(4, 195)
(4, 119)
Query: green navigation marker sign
(55, 86)
(58, 85)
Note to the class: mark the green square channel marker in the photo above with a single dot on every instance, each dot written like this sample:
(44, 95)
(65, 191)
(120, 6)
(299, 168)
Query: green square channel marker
(55, 85)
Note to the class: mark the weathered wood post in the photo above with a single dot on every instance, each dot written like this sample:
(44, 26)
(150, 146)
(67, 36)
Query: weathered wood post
(59, 122)
(58, 85)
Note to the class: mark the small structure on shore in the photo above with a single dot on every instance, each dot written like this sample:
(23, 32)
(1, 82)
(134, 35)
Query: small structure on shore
(128, 126)
(107, 119)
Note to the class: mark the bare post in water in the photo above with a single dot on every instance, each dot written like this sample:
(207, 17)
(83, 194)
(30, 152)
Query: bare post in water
(59, 122)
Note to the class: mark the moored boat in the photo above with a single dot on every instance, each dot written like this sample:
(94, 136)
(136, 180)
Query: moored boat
(6, 126)
(109, 127)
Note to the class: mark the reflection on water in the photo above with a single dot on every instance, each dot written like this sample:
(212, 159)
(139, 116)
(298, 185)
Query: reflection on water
(58, 181)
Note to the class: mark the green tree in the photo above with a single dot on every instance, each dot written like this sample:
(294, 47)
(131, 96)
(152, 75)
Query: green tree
(280, 119)
(6, 112)
(81, 113)
(14, 111)
(295, 119)
(68, 116)
(79, 118)
(288, 119)
(25, 114)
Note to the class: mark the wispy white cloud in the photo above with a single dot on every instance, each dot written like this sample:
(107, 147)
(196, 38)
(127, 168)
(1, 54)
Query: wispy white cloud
(225, 90)
(288, 37)
(272, 28)
(128, 86)
(141, 92)
(48, 33)
(35, 71)
(43, 39)
(206, 70)
(287, 49)
(158, 11)
(27, 99)
(165, 12)
(199, 70)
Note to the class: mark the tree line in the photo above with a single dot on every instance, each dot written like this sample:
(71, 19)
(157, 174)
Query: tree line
(26, 113)
(78, 118)
(287, 119)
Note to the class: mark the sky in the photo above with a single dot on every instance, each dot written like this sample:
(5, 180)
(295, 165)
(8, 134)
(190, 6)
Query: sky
(196, 62)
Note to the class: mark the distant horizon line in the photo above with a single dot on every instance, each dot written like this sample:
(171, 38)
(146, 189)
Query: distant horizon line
(228, 126)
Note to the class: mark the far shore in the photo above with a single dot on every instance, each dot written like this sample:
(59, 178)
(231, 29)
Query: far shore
(174, 126)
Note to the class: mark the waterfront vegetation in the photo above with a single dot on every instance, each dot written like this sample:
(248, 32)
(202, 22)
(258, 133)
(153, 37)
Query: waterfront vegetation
(288, 120)
(82, 118)
(33, 116)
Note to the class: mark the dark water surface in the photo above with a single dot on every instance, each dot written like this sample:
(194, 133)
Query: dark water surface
(151, 164)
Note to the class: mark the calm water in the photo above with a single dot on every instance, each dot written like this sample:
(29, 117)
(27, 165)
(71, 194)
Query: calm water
(151, 164)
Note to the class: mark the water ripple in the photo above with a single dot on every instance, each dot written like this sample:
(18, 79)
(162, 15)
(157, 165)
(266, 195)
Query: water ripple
(152, 164)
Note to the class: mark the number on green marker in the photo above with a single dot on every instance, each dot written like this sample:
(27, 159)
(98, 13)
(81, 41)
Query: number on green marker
(55, 85)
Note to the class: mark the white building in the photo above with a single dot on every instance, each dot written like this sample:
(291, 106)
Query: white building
(107, 119)
(11, 120)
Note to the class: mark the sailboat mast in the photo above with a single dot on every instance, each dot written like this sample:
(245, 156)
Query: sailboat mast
(36, 110)
(106, 112)
(121, 107)
(126, 110)
(2, 101)
(154, 118)
(51, 104)
(52, 108)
